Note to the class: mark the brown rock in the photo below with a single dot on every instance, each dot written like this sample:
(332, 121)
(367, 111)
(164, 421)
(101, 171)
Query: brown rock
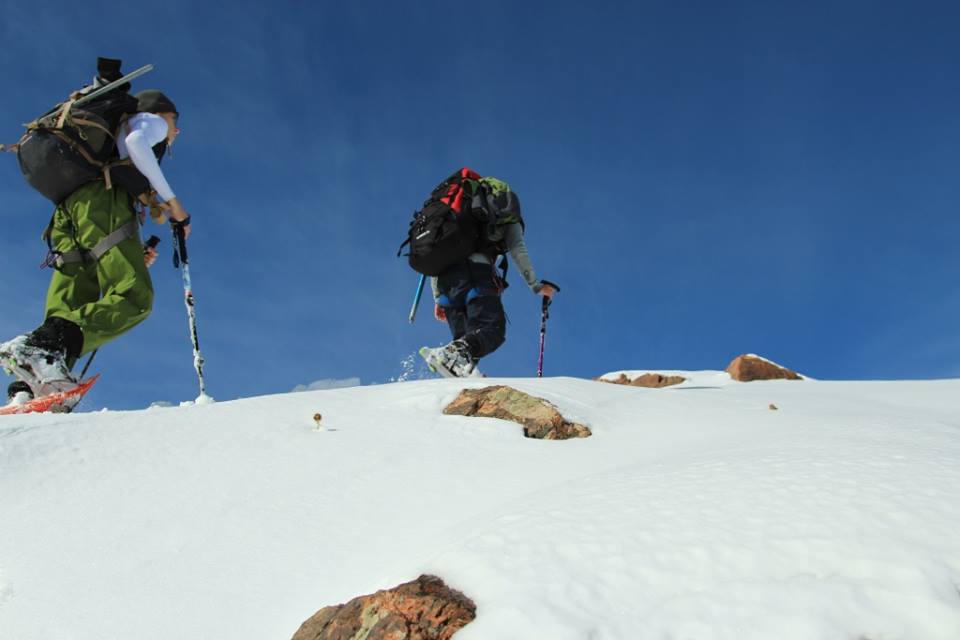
(621, 379)
(656, 381)
(424, 609)
(746, 368)
(539, 418)
(649, 380)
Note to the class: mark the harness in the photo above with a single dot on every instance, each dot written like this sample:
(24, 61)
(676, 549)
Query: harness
(58, 259)
(496, 286)
(131, 229)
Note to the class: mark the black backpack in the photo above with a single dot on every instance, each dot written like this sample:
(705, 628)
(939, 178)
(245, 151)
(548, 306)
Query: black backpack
(446, 230)
(70, 146)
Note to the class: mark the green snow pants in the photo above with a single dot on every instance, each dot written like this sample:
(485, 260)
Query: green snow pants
(108, 297)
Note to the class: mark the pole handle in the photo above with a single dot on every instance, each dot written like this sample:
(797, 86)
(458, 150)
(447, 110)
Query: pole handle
(179, 245)
(552, 284)
(548, 301)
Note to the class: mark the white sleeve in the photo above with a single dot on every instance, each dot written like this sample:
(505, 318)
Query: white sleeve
(143, 131)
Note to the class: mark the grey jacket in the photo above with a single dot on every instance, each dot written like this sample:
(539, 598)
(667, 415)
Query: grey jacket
(513, 241)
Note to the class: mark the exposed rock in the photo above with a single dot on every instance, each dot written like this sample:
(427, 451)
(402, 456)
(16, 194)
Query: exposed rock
(749, 367)
(649, 380)
(539, 418)
(773, 407)
(425, 609)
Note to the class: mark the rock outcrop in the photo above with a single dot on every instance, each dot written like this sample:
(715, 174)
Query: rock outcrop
(539, 418)
(424, 609)
(649, 380)
(749, 367)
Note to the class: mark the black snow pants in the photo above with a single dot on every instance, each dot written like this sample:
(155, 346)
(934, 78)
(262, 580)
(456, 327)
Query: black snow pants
(470, 296)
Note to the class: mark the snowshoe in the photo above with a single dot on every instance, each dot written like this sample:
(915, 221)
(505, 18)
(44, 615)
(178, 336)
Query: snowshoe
(451, 361)
(56, 402)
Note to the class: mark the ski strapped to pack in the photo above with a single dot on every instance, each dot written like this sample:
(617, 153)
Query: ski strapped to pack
(116, 83)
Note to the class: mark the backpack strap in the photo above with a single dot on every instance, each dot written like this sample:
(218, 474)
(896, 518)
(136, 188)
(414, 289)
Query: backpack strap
(121, 128)
(91, 123)
(76, 147)
(65, 112)
(400, 250)
(110, 165)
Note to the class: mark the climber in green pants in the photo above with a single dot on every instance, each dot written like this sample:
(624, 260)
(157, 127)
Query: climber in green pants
(100, 288)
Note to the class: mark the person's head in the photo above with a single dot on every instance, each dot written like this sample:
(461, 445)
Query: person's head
(153, 101)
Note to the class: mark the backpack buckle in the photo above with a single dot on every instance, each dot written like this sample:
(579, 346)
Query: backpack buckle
(51, 260)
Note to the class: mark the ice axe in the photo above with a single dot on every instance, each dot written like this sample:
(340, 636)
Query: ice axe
(416, 299)
(544, 314)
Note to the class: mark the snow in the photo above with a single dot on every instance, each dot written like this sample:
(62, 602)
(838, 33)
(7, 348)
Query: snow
(203, 398)
(328, 383)
(692, 512)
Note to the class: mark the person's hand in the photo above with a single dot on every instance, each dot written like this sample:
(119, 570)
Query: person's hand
(547, 291)
(179, 214)
(150, 255)
(439, 313)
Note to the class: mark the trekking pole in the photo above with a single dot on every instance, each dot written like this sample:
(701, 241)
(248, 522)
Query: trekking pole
(416, 299)
(180, 261)
(147, 68)
(544, 314)
(87, 366)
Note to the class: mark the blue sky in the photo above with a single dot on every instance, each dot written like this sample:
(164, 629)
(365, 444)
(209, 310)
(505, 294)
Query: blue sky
(702, 181)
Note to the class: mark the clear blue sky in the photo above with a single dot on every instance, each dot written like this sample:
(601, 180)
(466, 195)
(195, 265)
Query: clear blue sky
(703, 179)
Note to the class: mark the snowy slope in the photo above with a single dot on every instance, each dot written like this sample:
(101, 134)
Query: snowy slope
(692, 512)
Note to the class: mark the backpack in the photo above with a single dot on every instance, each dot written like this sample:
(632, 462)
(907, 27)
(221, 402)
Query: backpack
(447, 228)
(500, 207)
(70, 146)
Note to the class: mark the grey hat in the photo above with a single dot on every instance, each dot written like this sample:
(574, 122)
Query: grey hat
(153, 101)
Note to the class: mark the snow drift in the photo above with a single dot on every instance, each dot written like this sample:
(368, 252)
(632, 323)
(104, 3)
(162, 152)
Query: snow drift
(693, 511)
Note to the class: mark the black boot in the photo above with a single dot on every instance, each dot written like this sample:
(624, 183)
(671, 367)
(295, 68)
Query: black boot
(19, 386)
(57, 335)
(43, 358)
